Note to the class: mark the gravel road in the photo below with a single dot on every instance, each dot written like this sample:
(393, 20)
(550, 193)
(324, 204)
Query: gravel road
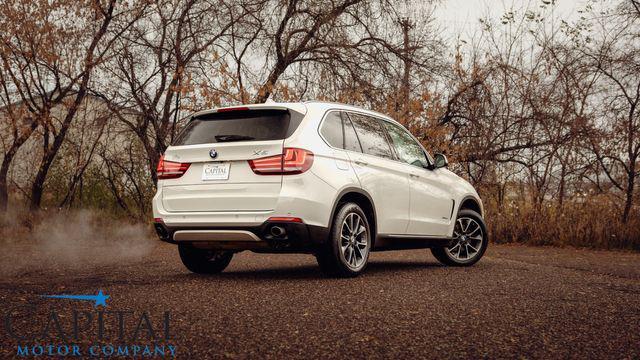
(518, 302)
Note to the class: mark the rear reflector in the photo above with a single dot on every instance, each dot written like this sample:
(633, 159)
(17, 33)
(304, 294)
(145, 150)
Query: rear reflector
(284, 219)
(293, 161)
(170, 169)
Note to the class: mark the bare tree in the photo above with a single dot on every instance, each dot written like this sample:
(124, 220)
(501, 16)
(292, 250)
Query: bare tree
(50, 67)
(617, 145)
(156, 63)
(301, 28)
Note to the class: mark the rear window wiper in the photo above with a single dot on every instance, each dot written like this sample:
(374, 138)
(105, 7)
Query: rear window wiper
(224, 138)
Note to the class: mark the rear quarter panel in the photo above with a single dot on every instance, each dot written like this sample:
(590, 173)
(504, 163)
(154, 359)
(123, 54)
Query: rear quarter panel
(312, 195)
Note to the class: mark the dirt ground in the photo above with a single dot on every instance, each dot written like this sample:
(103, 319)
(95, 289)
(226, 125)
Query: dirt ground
(517, 302)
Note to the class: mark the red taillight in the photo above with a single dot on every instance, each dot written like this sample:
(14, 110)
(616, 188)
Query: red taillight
(267, 166)
(170, 169)
(293, 161)
(296, 161)
(285, 219)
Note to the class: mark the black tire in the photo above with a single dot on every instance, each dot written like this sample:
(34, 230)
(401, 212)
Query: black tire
(203, 261)
(444, 254)
(346, 257)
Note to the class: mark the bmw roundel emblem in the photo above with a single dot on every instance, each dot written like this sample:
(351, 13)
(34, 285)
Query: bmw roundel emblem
(213, 153)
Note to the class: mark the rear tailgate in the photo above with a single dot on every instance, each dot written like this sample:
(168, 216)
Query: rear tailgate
(218, 147)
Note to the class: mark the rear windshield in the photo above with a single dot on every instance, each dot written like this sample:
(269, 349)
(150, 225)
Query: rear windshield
(239, 125)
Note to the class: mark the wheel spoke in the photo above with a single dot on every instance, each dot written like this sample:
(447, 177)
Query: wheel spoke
(358, 252)
(474, 231)
(350, 254)
(466, 251)
(354, 258)
(466, 228)
(344, 247)
(356, 225)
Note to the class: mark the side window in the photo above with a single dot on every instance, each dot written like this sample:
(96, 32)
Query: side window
(372, 136)
(331, 129)
(351, 141)
(406, 147)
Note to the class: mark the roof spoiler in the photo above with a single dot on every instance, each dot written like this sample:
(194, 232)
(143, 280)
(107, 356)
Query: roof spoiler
(297, 107)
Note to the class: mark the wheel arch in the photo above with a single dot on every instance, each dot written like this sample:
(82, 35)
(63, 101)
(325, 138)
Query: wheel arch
(364, 200)
(470, 202)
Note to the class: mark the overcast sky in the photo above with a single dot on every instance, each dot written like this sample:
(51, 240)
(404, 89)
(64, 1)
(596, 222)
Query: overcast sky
(461, 16)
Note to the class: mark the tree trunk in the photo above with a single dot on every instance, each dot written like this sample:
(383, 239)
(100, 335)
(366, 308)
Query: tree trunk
(6, 162)
(405, 86)
(628, 204)
(38, 186)
(4, 193)
(561, 190)
(266, 89)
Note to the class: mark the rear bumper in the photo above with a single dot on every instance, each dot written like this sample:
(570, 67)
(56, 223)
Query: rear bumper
(297, 237)
(294, 199)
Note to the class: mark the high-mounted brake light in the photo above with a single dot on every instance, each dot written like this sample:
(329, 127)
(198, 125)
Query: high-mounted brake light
(170, 169)
(292, 161)
(233, 109)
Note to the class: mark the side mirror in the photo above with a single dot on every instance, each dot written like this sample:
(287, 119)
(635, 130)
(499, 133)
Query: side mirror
(440, 161)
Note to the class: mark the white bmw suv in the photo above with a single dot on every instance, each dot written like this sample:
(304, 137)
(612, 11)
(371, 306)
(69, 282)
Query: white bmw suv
(328, 179)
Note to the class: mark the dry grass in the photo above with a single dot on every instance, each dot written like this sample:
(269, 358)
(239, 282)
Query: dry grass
(595, 223)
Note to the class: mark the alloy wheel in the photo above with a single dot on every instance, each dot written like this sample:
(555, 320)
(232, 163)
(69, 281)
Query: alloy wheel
(467, 239)
(354, 241)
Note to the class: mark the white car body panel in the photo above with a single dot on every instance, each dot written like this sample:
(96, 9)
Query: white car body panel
(407, 200)
(388, 184)
(432, 202)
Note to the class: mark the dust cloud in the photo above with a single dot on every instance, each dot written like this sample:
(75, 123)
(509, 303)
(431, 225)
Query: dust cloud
(68, 240)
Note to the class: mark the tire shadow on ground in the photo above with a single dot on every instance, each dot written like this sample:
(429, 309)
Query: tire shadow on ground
(307, 272)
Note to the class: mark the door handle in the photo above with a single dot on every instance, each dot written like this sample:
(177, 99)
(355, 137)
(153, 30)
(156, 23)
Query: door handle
(414, 176)
(361, 162)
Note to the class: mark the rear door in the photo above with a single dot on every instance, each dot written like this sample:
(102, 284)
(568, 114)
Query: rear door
(380, 175)
(218, 147)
